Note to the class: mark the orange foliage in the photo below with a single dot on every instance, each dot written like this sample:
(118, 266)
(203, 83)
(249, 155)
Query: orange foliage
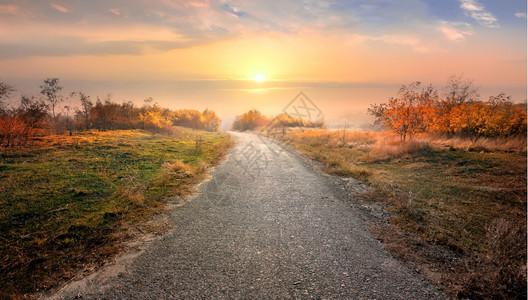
(285, 120)
(14, 131)
(250, 120)
(459, 113)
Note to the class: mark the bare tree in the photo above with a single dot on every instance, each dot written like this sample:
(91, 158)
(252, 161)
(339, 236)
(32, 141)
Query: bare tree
(459, 90)
(50, 90)
(5, 92)
(33, 111)
(84, 112)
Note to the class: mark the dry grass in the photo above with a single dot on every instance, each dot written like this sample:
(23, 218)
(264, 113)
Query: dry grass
(445, 192)
(506, 144)
(504, 275)
(177, 169)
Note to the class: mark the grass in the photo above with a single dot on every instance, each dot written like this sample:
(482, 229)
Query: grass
(67, 201)
(467, 196)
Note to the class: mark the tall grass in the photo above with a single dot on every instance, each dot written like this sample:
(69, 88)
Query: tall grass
(385, 145)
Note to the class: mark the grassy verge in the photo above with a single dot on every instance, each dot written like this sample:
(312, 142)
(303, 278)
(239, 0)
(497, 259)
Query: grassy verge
(469, 198)
(67, 201)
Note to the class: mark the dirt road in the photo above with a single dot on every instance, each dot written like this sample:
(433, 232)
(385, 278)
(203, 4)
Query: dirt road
(265, 226)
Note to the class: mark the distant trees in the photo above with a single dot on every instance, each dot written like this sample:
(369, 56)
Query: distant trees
(286, 120)
(459, 112)
(17, 125)
(250, 120)
(36, 116)
(253, 119)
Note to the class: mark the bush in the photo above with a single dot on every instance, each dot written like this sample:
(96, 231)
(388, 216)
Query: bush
(250, 120)
(14, 131)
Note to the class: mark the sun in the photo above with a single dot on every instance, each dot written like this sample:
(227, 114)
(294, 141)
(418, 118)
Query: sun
(259, 78)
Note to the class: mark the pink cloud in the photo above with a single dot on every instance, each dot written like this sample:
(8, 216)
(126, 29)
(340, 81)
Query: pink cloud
(10, 10)
(60, 8)
(115, 11)
(455, 31)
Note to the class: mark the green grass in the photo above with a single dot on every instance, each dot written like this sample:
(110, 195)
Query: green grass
(66, 201)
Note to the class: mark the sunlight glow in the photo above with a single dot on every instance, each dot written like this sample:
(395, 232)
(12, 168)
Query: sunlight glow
(259, 78)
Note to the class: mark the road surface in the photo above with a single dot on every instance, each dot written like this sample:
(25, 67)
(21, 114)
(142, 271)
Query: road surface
(265, 226)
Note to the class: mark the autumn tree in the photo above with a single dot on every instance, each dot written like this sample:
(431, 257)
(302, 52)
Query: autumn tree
(250, 120)
(287, 120)
(458, 92)
(498, 116)
(190, 118)
(51, 91)
(153, 117)
(458, 112)
(411, 112)
(211, 121)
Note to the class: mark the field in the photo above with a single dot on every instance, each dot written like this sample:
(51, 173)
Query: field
(68, 201)
(457, 206)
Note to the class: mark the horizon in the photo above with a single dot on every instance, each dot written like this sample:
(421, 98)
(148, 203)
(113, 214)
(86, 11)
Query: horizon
(232, 56)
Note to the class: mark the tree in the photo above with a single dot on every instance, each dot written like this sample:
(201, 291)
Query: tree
(211, 120)
(83, 113)
(459, 90)
(456, 92)
(412, 112)
(50, 90)
(5, 92)
(250, 120)
(155, 118)
(32, 111)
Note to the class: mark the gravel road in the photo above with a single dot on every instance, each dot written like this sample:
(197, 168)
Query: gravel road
(265, 226)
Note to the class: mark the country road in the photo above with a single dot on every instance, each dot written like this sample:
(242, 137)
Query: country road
(265, 226)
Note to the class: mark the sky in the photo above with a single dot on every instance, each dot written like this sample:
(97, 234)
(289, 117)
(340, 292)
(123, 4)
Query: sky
(231, 56)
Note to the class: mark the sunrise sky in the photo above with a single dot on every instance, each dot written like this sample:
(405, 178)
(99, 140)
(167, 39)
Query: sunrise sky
(231, 56)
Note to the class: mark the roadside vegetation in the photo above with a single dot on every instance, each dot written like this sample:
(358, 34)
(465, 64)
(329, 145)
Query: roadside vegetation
(450, 173)
(76, 181)
(467, 196)
(52, 112)
(69, 201)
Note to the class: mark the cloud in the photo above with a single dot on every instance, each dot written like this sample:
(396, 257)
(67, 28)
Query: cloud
(10, 9)
(60, 8)
(455, 31)
(412, 41)
(478, 12)
(73, 45)
(115, 11)
(199, 22)
(234, 10)
(520, 15)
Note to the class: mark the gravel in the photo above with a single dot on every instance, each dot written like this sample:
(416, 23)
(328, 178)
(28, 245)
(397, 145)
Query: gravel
(265, 226)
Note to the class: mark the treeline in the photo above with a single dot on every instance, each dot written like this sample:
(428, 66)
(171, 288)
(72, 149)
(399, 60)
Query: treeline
(458, 111)
(254, 119)
(37, 116)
